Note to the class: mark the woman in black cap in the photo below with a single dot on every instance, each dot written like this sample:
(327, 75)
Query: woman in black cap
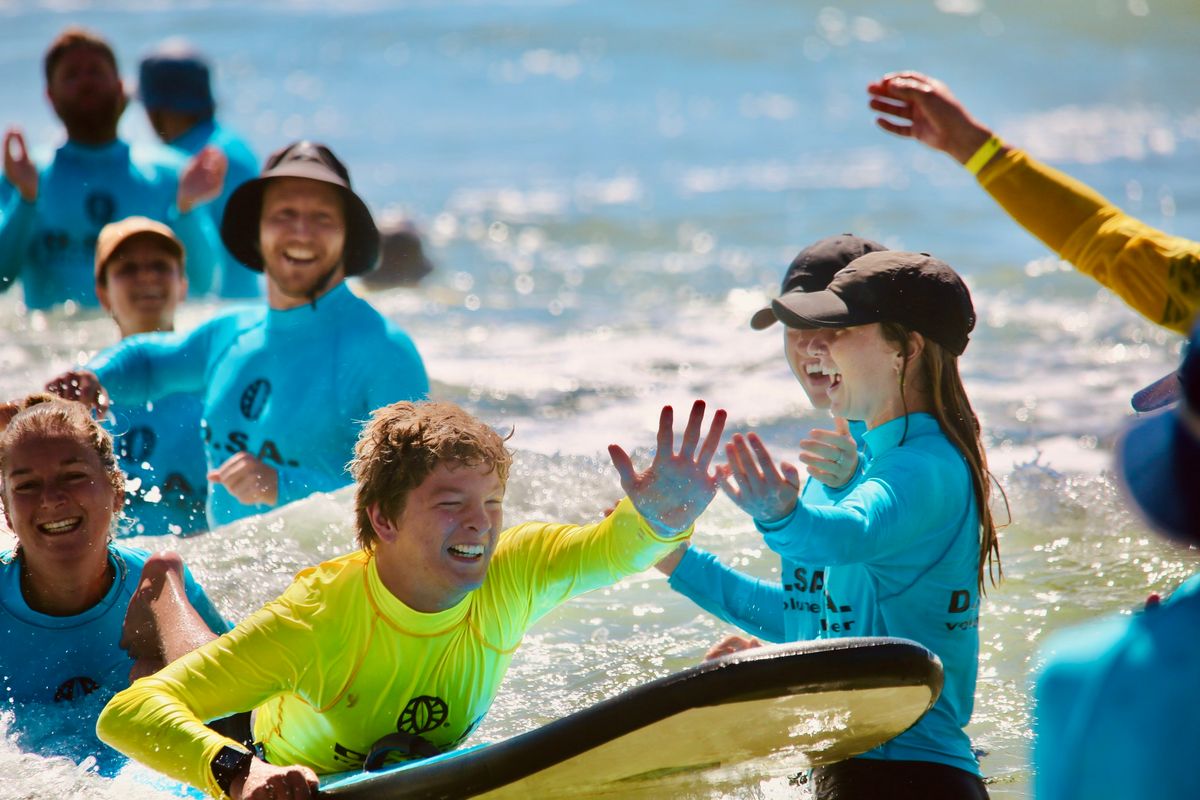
(908, 546)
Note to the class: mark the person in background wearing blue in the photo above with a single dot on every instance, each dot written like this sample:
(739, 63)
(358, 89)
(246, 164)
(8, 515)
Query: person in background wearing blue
(65, 588)
(915, 527)
(1117, 702)
(788, 610)
(175, 89)
(286, 387)
(140, 280)
(50, 216)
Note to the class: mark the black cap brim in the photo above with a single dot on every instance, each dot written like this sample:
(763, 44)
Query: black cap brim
(243, 212)
(825, 309)
(763, 319)
(1163, 392)
(1158, 462)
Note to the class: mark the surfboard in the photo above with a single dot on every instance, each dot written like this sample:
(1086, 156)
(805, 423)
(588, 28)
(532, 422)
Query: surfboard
(769, 711)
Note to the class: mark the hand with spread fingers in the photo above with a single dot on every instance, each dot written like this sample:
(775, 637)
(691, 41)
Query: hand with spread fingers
(248, 479)
(731, 644)
(752, 482)
(919, 107)
(831, 456)
(19, 168)
(80, 385)
(677, 487)
(202, 179)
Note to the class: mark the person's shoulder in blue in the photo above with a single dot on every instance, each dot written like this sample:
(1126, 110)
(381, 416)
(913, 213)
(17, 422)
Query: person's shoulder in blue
(50, 217)
(140, 279)
(1117, 700)
(175, 87)
(316, 351)
(65, 589)
(789, 609)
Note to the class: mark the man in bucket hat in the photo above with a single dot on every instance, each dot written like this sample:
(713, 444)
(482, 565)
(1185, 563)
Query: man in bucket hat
(1118, 699)
(285, 387)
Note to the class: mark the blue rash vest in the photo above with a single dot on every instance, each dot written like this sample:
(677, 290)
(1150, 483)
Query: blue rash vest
(789, 610)
(292, 387)
(233, 280)
(72, 664)
(50, 244)
(159, 446)
(901, 550)
(1117, 704)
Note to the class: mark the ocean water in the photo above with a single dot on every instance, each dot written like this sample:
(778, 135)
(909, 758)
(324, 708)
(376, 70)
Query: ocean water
(609, 190)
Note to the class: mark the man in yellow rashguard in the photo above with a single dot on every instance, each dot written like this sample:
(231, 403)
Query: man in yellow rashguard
(405, 641)
(1157, 274)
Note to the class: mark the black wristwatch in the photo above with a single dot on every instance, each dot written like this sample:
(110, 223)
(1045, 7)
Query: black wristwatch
(228, 765)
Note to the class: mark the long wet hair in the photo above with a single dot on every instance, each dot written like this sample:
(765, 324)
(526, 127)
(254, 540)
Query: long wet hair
(940, 380)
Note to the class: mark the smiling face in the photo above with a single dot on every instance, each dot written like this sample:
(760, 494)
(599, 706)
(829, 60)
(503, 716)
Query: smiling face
(302, 234)
(86, 92)
(806, 367)
(59, 501)
(863, 369)
(439, 548)
(142, 284)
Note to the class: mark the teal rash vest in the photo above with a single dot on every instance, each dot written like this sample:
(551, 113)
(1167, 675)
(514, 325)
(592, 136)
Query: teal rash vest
(233, 280)
(58, 672)
(790, 610)
(50, 244)
(900, 549)
(292, 388)
(160, 451)
(1117, 702)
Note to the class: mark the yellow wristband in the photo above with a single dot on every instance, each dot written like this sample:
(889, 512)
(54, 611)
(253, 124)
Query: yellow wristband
(983, 155)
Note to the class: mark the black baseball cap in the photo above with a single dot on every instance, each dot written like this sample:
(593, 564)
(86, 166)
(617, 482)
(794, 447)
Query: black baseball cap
(813, 268)
(913, 289)
(304, 159)
(1158, 457)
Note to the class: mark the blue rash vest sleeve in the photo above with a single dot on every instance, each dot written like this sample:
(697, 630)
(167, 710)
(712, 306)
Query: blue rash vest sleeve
(147, 366)
(17, 218)
(897, 504)
(202, 248)
(751, 604)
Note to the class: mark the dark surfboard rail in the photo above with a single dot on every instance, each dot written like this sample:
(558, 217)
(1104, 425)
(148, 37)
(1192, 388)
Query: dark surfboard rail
(822, 668)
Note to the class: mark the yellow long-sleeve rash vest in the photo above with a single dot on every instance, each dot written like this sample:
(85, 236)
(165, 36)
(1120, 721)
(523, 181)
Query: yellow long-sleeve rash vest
(337, 661)
(1157, 274)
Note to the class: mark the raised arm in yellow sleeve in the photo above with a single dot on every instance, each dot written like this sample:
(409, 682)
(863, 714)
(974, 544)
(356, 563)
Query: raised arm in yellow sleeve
(1157, 274)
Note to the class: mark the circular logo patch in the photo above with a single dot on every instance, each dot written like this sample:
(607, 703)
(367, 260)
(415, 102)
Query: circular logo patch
(254, 399)
(423, 714)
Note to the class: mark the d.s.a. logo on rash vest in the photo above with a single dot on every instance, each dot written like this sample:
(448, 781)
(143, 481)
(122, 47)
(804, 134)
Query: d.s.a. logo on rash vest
(254, 398)
(137, 444)
(73, 688)
(101, 208)
(423, 714)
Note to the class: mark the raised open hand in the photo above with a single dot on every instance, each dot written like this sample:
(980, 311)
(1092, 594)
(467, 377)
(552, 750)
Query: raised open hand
(923, 108)
(831, 456)
(202, 179)
(19, 168)
(677, 487)
(758, 488)
(81, 385)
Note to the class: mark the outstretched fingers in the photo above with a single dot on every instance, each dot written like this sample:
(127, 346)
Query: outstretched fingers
(624, 466)
(713, 440)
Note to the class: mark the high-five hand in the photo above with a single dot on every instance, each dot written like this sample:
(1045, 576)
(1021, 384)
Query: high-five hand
(759, 489)
(677, 487)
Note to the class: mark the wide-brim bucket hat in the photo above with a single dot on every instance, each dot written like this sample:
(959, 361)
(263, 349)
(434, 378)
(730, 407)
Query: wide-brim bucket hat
(304, 159)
